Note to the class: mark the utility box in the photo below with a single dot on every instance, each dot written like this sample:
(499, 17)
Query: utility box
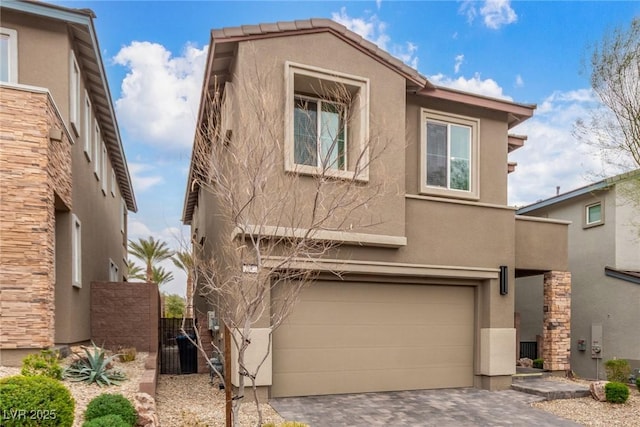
(596, 341)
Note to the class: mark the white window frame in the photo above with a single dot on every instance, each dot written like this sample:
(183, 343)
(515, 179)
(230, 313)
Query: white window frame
(358, 126)
(88, 128)
(103, 168)
(12, 54)
(76, 252)
(589, 224)
(450, 119)
(74, 94)
(114, 271)
(97, 149)
(123, 216)
(113, 182)
(319, 124)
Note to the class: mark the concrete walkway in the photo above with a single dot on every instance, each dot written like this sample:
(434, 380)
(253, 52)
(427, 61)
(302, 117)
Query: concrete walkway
(442, 408)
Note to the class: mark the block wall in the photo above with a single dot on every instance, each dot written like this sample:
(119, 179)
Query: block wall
(556, 334)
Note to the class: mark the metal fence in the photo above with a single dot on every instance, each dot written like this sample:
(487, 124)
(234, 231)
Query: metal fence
(177, 354)
(529, 349)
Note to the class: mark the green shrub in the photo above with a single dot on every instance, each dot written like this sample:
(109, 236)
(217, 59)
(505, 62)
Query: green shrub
(538, 363)
(638, 383)
(35, 401)
(127, 354)
(616, 392)
(111, 420)
(94, 366)
(111, 404)
(618, 370)
(46, 364)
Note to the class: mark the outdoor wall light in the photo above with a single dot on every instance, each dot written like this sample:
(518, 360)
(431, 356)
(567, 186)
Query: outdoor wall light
(504, 280)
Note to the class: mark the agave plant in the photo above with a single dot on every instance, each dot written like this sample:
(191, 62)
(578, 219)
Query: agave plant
(95, 366)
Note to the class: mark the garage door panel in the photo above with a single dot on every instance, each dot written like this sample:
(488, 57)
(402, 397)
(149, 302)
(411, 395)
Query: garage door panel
(348, 337)
(301, 337)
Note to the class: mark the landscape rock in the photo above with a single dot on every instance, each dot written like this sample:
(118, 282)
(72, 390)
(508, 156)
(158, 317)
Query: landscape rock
(597, 390)
(146, 408)
(525, 362)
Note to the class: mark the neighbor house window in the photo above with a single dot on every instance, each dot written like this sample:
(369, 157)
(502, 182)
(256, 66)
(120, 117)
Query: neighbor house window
(113, 183)
(320, 131)
(449, 159)
(8, 55)
(594, 214)
(76, 252)
(103, 168)
(327, 122)
(74, 95)
(88, 129)
(113, 272)
(97, 149)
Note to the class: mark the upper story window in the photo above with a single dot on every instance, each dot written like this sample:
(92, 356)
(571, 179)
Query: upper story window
(97, 150)
(103, 168)
(593, 215)
(114, 271)
(8, 55)
(320, 131)
(449, 155)
(88, 130)
(326, 122)
(74, 94)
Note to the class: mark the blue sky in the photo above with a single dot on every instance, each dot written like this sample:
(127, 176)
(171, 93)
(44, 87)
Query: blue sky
(525, 51)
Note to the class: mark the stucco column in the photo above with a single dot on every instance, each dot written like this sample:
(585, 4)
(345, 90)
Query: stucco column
(556, 334)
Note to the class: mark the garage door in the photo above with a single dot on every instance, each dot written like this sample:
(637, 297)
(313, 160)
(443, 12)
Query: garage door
(347, 337)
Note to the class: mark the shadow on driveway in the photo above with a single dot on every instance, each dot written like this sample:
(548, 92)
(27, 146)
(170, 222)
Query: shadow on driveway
(445, 407)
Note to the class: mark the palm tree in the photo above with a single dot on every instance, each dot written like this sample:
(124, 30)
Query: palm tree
(149, 252)
(135, 271)
(160, 276)
(184, 261)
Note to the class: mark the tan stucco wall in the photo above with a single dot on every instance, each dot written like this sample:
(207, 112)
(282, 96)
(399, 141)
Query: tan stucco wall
(44, 49)
(627, 225)
(541, 244)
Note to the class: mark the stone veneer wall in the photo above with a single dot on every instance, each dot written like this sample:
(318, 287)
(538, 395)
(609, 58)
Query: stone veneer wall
(33, 168)
(556, 333)
(125, 315)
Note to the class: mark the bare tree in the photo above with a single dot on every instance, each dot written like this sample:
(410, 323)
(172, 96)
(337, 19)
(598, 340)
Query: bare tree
(614, 126)
(272, 225)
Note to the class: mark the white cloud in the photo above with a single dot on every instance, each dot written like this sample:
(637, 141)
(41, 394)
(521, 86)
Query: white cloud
(519, 81)
(495, 13)
(475, 84)
(375, 30)
(552, 156)
(142, 183)
(378, 4)
(459, 61)
(160, 93)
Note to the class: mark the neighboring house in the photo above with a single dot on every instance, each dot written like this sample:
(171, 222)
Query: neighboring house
(65, 189)
(434, 260)
(604, 260)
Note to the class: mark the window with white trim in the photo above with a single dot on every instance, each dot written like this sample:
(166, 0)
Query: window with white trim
(327, 122)
(113, 183)
(88, 128)
(103, 169)
(74, 95)
(114, 271)
(320, 131)
(8, 55)
(123, 216)
(593, 215)
(76, 251)
(449, 155)
(97, 149)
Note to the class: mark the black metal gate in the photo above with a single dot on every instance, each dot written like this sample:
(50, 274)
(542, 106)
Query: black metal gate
(529, 349)
(177, 354)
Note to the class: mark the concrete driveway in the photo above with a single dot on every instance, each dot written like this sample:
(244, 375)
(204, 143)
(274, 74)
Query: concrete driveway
(446, 407)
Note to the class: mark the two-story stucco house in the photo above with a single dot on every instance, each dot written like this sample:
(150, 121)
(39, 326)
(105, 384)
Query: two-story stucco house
(65, 189)
(423, 299)
(604, 260)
